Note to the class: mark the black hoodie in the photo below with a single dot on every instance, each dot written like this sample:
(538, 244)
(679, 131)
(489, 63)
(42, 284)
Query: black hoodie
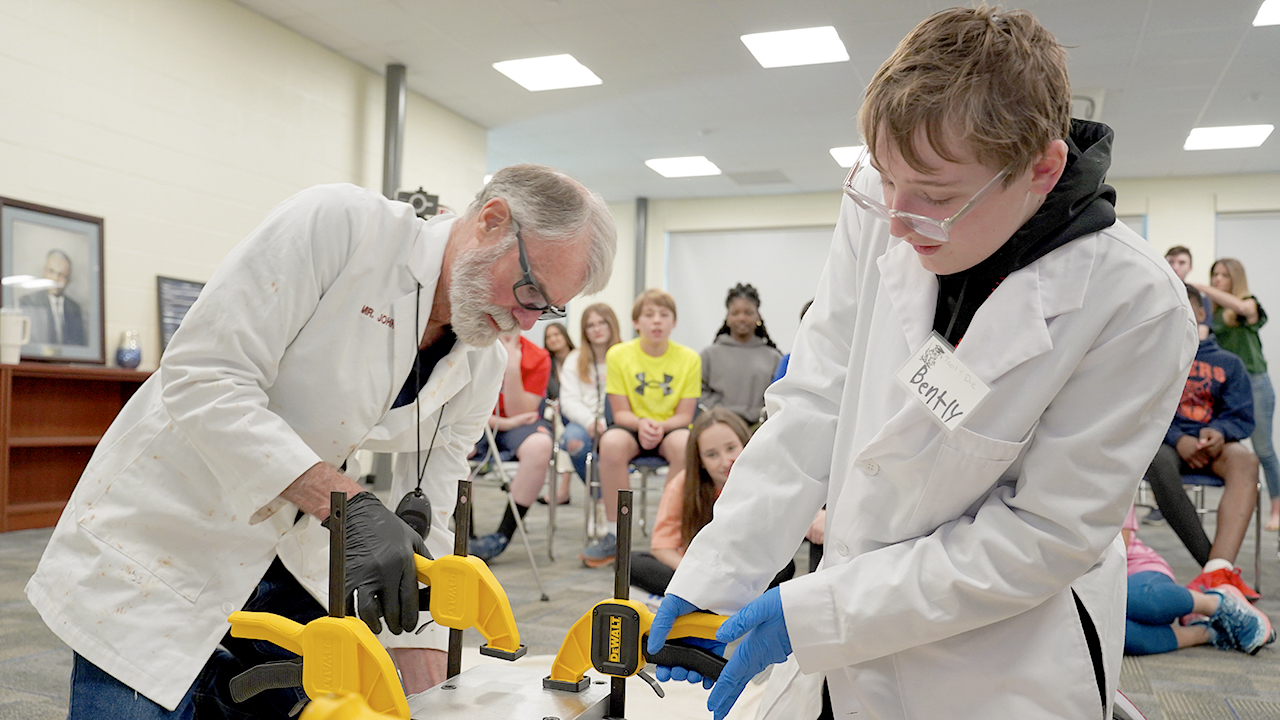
(1080, 204)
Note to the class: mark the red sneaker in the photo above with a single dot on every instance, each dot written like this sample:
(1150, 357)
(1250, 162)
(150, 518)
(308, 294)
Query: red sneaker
(1222, 576)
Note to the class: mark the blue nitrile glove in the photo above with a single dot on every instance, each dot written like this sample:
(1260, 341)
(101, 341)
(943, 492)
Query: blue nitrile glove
(766, 643)
(672, 607)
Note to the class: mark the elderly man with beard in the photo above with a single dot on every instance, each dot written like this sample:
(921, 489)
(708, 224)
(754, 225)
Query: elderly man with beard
(343, 322)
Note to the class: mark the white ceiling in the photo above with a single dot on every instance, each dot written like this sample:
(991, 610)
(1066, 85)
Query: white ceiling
(678, 81)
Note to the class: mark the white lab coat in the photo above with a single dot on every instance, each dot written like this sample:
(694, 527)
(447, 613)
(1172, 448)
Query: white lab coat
(292, 355)
(946, 587)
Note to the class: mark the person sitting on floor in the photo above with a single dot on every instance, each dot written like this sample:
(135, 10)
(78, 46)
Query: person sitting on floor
(519, 427)
(1214, 415)
(1156, 602)
(653, 385)
(717, 437)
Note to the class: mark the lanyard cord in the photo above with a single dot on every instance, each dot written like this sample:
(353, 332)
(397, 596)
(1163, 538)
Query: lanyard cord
(417, 402)
(955, 314)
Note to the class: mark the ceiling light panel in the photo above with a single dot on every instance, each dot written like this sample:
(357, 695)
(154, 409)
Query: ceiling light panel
(847, 156)
(787, 48)
(1268, 14)
(553, 72)
(676, 167)
(1225, 138)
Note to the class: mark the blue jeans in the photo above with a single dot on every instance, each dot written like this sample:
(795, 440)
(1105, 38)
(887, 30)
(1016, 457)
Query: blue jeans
(1264, 406)
(96, 695)
(1155, 602)
(575, 432)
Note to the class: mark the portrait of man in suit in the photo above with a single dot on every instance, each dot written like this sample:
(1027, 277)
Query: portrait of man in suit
(55, 318)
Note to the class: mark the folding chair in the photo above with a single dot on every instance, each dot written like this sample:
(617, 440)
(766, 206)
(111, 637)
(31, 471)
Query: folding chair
(503, 464)
(1198, 482)
(647, 467)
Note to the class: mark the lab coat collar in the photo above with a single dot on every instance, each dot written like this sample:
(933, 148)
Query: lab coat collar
(1011, 327)
(426, 259)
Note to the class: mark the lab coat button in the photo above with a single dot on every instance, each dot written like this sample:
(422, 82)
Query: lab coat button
(871, 467)
(842, 549)
(228, 608)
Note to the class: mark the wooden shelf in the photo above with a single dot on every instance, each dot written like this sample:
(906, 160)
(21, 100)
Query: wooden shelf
(51, 419)
(55, 441)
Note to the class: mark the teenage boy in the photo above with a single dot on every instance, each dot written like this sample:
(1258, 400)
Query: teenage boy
(1179, 258)
(976, 480)
(1214, 415)
(653, 387)
(519, 428)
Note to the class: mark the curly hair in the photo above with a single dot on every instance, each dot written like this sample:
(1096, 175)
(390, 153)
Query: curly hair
(749, 293)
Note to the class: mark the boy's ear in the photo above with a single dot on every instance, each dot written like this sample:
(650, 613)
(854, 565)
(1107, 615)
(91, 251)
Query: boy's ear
(1047, 168)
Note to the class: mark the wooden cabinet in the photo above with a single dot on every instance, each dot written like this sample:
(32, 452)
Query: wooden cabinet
(51, 419)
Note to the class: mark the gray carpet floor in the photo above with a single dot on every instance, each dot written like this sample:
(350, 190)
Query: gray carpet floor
(1194, 684)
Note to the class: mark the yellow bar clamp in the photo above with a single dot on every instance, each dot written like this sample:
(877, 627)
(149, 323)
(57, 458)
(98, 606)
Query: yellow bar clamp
(341, 707)
(611, 636)
(464, 593)
(339, 656)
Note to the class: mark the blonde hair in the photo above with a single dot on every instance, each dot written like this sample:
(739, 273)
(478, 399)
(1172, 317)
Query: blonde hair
(587, 354)
(653, 296)
(992, 79)
(1239, 286)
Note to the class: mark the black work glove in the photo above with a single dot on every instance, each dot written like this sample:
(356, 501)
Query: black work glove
(379, 559)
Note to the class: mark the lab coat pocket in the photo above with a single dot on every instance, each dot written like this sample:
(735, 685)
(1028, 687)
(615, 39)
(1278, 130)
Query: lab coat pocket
(968, 466)
(165, 512)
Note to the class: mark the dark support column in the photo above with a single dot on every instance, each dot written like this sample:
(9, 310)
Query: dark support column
(393, 131)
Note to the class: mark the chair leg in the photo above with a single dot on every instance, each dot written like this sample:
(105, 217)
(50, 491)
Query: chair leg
(524, 537)
(1257, 542)
(552, 502)
(644, 502)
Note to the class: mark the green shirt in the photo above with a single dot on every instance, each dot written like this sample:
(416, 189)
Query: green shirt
(1242, 339)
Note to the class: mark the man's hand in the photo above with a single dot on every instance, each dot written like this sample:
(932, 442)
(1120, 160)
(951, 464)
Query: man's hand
(380, 549)
(649, 433)
(766, 643)
(1192, 453)
(672, 607)
(1211, 442)
(817, 528)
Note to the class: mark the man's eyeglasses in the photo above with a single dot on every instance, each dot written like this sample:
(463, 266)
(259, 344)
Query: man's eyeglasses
(527, 291)
(931, 228)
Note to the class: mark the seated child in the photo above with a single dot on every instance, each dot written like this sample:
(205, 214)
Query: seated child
(717, 437)
(1156, 602)
(653, 384)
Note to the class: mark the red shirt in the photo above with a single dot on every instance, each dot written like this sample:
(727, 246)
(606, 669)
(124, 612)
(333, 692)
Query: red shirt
(535, 371)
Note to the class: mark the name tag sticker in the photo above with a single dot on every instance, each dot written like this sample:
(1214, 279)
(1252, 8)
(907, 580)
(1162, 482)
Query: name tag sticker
(943, 385)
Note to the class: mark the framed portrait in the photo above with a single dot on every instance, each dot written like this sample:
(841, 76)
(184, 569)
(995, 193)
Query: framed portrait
(175, 298)
(51, 263)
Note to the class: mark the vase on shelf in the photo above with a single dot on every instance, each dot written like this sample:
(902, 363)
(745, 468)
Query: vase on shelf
(129, 352)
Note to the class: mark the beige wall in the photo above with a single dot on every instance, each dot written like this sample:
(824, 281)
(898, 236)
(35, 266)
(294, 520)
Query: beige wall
(183, 123)
(1182, 211)
(1179, 211)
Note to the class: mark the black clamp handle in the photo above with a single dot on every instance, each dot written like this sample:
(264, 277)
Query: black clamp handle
(678, 653)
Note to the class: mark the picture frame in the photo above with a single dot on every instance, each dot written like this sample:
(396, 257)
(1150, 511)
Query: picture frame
(51, 262)
(174, 298)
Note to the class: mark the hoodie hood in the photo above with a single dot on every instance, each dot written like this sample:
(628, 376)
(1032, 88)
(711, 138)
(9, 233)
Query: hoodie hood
(1080, 204)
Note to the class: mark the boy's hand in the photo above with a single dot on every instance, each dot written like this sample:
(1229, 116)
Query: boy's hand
(766, 643)
(1192, 453)
(649, 434)
(1212, 441)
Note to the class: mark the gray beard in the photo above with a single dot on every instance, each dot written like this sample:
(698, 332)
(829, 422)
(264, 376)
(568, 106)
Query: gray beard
(469, 299)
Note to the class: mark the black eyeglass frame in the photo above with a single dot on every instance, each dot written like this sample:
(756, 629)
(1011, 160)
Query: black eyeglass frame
(537, 300)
